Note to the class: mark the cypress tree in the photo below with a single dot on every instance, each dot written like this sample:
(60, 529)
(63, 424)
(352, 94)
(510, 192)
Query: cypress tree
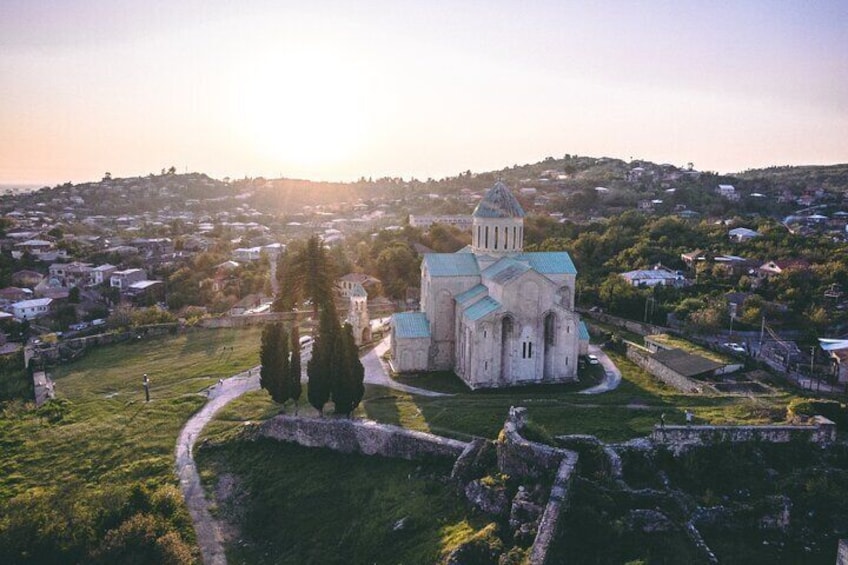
(348, 385)
(274, 357)
(323, 364)
(295, 367)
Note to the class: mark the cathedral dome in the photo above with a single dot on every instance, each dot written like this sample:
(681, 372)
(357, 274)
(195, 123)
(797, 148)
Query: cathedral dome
(499, 202)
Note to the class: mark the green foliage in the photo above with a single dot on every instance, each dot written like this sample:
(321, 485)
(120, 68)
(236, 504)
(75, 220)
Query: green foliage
(348, 384)
(68, 467)
(15, 379)
(833, 410)
(325, 359)
(300, 504)
(274, 374)
(305, 271)
(76, 524)
(295, 371)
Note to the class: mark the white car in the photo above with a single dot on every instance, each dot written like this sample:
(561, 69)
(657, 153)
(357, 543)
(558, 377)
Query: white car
(735, 347)
(593, 359)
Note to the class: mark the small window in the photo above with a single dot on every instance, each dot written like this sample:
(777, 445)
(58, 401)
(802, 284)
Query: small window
(529, 350)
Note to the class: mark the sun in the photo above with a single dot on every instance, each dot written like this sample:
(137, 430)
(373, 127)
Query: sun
(304, 111)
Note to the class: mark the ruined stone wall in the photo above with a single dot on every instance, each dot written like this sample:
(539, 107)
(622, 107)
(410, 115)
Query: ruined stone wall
(682, 438)
(641, 357)
(245, 321)
(842, 552)
(629, 325)
(519, 457)
(70, 349)
(360, 436)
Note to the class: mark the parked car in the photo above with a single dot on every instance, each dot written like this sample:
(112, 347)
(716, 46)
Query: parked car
(735, 347)
(305, 341)
(593, 359)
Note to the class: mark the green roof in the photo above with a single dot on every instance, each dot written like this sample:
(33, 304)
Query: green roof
(482, 308)
(451, 264)
(411, 325)
(549, 262)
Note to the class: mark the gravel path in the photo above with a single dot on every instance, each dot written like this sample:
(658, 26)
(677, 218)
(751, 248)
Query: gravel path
(209, 537)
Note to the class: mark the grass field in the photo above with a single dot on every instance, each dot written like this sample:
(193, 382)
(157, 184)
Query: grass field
(89, 477)
(107, 433)
(354, 505)
(102, 434)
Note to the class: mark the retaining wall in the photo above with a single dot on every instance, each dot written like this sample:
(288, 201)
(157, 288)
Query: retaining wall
(821, 432)
(842, 552)
(361, 436)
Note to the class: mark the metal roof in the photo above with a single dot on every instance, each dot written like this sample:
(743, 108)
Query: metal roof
(549, 262)
(471, 294)
(410, 325)
(498, 202)
(482, 308)
(505, 270)
(451, 264)
(582, 331)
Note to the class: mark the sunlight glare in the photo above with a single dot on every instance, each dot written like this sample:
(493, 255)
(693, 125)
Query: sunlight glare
(305, 111)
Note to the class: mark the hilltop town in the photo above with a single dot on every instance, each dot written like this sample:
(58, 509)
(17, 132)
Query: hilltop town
(676, 335)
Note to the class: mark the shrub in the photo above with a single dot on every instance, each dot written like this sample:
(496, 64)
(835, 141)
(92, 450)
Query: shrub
(831, 409)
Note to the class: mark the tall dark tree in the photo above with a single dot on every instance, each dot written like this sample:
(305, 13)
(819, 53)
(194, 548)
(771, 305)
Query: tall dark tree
(274, 356)
(348, 384)
(324, 363)
(306, 273)
(295, 367)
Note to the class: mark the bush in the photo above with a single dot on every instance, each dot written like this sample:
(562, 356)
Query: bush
(833, 410)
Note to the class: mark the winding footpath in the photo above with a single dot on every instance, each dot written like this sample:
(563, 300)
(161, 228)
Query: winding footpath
(209, 537)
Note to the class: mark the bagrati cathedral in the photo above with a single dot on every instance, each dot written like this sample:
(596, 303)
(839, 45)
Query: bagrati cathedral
(490, 312)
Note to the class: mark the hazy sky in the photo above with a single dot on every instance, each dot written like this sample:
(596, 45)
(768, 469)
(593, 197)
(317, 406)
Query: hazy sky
(338, 90)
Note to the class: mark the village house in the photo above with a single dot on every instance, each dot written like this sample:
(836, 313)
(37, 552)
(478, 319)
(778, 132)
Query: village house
(658, 276)
(123, 279)
(31, 309)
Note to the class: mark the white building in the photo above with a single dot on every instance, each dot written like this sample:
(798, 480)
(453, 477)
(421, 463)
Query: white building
(31, 309)
(490, 312)
(123, 279)
(658, 276)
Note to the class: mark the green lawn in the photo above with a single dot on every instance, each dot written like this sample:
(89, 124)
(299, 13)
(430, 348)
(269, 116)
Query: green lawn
(297, 505)
(84, 454)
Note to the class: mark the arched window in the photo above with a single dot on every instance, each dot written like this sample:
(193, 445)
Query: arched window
(496, 237)
(550, 329)
(486, 244)
(515, 237)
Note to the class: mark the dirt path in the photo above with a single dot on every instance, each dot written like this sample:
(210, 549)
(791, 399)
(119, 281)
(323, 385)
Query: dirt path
(209, 537)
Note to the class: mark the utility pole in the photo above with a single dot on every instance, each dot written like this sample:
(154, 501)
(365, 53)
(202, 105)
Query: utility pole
(812, 360)
(762, 330)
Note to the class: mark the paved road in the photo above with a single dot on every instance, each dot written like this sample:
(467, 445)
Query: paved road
(612, 376)
(376, 372)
